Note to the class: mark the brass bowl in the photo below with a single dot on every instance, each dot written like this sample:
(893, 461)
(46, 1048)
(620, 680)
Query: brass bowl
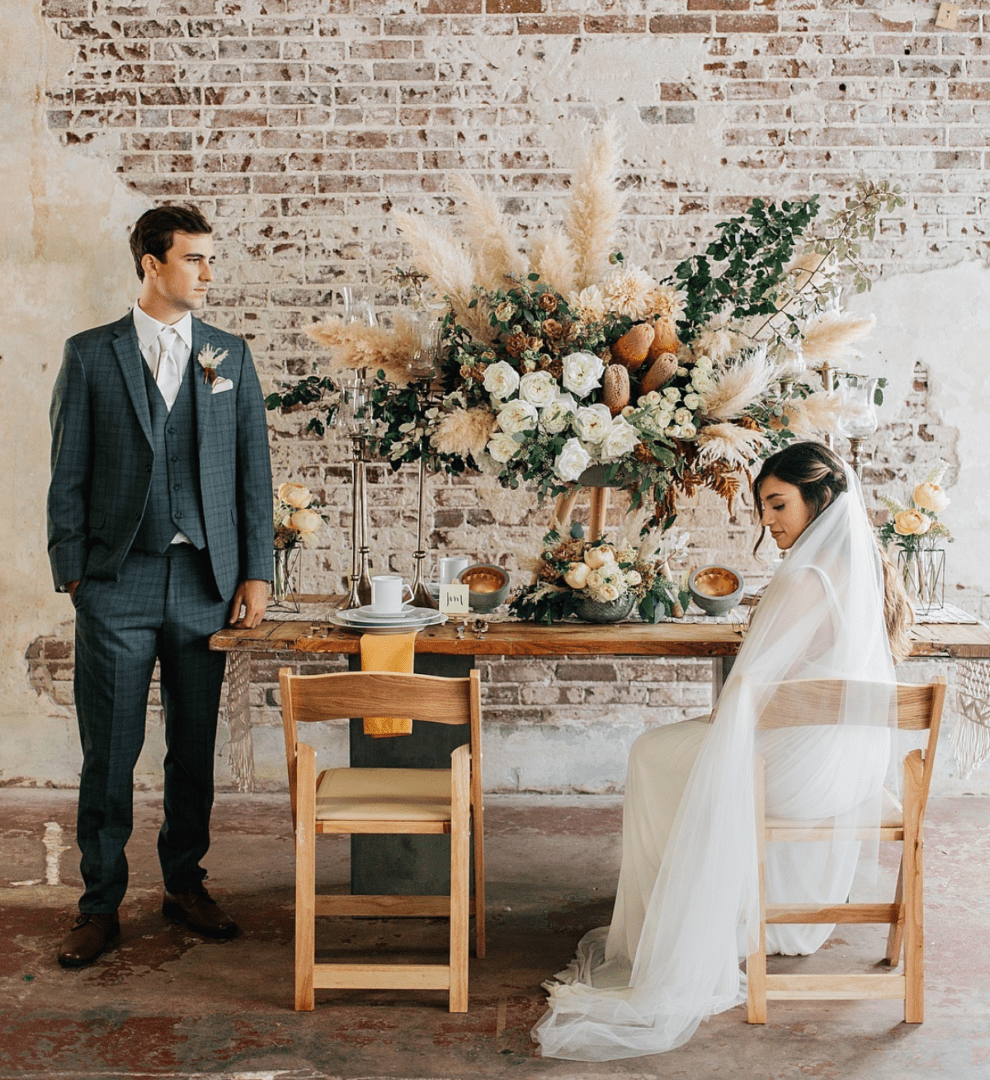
(716, 589)
(488, 586)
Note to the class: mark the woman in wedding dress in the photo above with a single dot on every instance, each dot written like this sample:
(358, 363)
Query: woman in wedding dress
(686, 908)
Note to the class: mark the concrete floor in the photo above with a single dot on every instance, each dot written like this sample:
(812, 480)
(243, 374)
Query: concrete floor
(165, 1003)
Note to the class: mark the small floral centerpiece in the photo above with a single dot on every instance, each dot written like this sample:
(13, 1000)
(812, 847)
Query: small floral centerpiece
(565, 364)
(598, 581)
(918, 535)
(297, 519)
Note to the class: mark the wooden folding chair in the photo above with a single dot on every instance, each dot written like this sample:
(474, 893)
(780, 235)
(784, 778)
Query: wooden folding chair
(811, 702)
(386, 801)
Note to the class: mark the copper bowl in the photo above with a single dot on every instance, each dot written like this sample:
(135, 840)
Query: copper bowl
(488, 586)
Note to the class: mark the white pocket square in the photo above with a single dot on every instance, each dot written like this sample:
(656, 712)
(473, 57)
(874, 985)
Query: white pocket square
(222, 384)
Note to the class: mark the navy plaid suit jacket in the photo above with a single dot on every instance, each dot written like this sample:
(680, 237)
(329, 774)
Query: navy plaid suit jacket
(102, 457)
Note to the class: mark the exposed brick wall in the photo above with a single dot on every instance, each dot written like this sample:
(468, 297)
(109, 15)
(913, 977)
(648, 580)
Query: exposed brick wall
(298, 125)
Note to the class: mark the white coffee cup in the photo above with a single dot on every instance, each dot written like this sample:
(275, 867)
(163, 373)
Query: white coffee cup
(388, 593)
(450, 567)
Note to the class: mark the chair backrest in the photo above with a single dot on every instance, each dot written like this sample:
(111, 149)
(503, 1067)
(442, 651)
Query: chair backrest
(802, 702)
(345, 694)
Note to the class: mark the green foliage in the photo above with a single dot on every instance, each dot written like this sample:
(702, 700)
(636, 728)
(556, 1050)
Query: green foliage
(317, 393)
(743, 265)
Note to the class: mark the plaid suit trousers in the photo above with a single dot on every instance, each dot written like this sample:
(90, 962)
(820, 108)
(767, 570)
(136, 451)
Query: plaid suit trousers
(164, 608)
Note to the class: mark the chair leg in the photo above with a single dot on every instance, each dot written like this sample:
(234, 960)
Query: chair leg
(305, 877)
(895, 936)
(478, 836)
(914, 915)
(756, 962)
(460, 882)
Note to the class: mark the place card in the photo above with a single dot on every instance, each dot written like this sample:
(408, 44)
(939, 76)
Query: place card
(454, 599)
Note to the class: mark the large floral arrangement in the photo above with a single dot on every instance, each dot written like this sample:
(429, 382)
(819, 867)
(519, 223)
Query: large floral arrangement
(567, 365)
(917, 527)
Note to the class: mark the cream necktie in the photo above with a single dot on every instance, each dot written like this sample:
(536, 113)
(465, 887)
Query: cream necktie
(167, 369)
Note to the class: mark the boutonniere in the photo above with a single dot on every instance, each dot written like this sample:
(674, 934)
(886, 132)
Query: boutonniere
(209, 360)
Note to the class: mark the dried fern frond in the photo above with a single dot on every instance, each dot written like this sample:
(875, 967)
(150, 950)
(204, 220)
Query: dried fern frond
(736, 446)
(450, 269)
(829, 337)
(595, 206)
(736, 387)
(487, 234)
(553, 259)
(817, 413)
(464, 432)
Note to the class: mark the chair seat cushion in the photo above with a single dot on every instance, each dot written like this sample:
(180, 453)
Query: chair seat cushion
(891, 817)
(383, 795)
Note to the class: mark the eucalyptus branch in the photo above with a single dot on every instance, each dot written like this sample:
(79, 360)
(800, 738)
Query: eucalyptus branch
(856, 219)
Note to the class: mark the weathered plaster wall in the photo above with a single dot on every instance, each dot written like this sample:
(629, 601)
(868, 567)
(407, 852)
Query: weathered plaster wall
(298, 125)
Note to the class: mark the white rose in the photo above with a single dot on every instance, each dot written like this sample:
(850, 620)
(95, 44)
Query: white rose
(602, 587)
(683, 416)
(502, 446)
(672, 393)
(557, 415)
(627, 412)
(703, 363)
(691, 401)
(702, 381)
(633, 577)
(593, 422)
(539, 388)
(621, 439)
(582, 373)
(597, 557)
(577, 575)
(687, 431)
(501, 379)
(652, 398)
(517, 415)
(572, 460)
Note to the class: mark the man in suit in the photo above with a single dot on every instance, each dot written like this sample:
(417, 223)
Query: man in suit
(160, 530)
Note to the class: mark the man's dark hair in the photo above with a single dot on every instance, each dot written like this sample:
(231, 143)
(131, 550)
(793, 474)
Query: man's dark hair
(154, 230)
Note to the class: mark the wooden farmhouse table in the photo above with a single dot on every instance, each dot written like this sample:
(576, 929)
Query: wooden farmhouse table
(408, 864)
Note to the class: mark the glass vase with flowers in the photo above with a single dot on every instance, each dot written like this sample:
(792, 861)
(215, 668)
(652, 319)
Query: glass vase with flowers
(919, 536)
(297, 518)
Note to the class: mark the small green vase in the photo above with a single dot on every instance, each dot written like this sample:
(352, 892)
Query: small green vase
(597, 611)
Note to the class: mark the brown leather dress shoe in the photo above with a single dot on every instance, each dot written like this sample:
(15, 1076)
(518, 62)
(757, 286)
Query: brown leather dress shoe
(200, 912)
(89, 936)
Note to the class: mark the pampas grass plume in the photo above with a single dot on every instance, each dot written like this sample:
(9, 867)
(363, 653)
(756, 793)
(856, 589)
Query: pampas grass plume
(829, 337)
(465, 431)
(819, 412)
(486, 233)
(553, 259)
(595, 207)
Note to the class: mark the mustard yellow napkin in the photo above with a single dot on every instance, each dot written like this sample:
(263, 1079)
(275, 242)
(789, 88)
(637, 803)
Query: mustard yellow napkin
(388, 652)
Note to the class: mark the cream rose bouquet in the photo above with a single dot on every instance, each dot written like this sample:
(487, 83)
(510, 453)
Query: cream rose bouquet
(574, 570)
(296, 516)
(917, 527)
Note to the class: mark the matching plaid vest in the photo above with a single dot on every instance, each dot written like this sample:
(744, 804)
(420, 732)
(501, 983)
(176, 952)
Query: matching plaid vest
(174, 500)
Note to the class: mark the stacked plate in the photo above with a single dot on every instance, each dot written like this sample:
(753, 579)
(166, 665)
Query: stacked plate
(369, 621)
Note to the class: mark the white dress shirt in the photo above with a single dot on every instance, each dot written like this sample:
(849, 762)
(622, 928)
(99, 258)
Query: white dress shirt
(148, 330)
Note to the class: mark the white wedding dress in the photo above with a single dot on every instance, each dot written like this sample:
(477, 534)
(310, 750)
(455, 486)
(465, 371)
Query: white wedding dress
(686, 908)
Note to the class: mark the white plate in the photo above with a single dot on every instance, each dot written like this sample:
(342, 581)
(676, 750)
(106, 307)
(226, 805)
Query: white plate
(433, 618)
(370, 609)
(358, 616)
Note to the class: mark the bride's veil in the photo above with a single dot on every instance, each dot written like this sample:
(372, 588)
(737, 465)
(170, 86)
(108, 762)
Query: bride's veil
(821, 617)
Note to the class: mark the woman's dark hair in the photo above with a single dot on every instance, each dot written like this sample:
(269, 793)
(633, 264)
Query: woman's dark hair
(810, 466)
(820, 475)
(154, 231)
